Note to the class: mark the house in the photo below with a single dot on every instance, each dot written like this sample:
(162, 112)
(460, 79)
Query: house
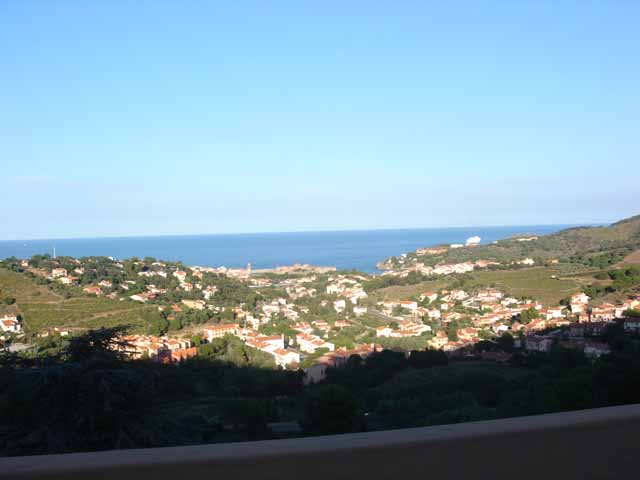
(595, 349)
(408, 305)
(142, 297)
(340, 324)
(467, 334)
(10, 324)
(180, 275)
(209, 291)
(311, 343)
(286, 357)
(439, 341)
(337, 358)
(434, 313)
(180, 355)
(58, 272)
(431, 251)
(538, 343)
(105, 283)
(555, 312)
(340, 306)
(490, 295)
(584, 317)
(321, 325)
(303, 327)
(270, 343)
(92, 290)
(578, 307)
(383, 331)
(431, 296)
(458, 295)
(220, 331)
(605, 312)
(630, 304)
(270, 309)
(537, 324)
(359, 311)
(581, 298)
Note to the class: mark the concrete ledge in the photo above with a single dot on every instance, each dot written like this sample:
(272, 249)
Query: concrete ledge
(597, 443)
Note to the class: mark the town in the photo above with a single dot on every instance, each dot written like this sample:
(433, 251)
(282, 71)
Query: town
(311, 318)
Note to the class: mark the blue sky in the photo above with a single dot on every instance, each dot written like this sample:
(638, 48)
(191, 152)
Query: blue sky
(164, 117)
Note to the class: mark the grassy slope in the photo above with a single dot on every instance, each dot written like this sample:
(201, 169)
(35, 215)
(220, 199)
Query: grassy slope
(403, 292)
(534, 283)
(527, 282)
(42, 308)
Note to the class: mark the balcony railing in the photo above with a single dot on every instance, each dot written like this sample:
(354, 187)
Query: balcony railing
(586, 444)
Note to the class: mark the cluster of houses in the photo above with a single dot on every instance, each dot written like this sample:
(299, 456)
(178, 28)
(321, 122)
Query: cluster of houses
(405, 264)
(336, 358)
(347, 287)
(306, 342)
(406, 328)
(162, 349)
(296, 288)
(491, 311)
(488, 312)
(440, 269)
(271, 344)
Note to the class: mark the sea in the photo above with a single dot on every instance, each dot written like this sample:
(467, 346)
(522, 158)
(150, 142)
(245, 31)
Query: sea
(355, 249)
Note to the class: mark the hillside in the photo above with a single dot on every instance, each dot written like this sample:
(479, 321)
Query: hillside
(43, 308)
(576, 248)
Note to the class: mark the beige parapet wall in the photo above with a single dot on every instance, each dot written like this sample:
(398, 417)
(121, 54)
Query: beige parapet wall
(587, 444)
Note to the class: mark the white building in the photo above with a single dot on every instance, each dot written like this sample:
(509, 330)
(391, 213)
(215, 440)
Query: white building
(9, 323)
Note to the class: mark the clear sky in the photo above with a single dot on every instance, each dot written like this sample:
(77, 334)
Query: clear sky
(175, 117)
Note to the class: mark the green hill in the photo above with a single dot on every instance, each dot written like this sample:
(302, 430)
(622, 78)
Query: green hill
(43, 308)
(591, 247)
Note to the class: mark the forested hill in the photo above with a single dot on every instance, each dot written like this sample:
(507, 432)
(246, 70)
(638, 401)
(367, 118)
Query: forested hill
(589, 246)
(594, 237)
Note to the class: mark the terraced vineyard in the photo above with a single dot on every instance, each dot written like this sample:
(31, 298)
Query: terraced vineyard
(42, 308)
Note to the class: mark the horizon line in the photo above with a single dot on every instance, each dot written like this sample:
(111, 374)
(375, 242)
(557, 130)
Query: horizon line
(286, 232)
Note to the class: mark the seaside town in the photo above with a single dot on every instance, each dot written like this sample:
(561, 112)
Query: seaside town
(310, 318)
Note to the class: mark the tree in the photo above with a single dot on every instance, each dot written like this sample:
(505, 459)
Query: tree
(452, 331)
(331, 409)
(427, 358)
(527, 315)
(506, 342)
(8, 300)
(101, 344)
(214, 350)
